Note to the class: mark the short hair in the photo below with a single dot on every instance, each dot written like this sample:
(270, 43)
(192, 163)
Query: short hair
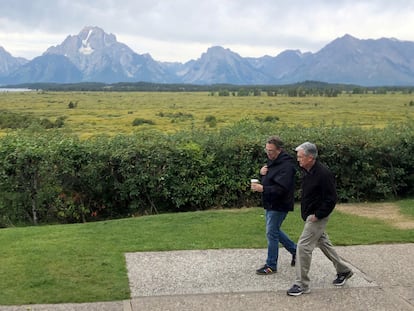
(275, 140)
(309, 149)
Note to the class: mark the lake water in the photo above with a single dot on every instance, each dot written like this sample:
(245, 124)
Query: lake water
(14, 90)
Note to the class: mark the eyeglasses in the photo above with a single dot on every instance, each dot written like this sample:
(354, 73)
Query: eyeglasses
(269, 151)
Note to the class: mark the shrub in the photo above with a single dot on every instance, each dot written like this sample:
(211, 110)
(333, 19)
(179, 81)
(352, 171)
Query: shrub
(177, 116)
(268, 119)
(141, 121)
(211, 120)
(52, 178)
(60, 122)
(18, 121)
(14, 120)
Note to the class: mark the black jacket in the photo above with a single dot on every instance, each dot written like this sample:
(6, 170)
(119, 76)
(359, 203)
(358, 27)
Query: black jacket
(279, 183)
(318, 192)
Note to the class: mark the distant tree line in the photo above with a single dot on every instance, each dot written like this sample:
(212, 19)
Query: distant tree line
(306, 88)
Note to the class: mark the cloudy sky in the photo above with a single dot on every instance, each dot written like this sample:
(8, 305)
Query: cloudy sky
(180, 30)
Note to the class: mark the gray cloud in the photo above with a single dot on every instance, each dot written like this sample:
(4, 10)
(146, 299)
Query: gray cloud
(183, 29)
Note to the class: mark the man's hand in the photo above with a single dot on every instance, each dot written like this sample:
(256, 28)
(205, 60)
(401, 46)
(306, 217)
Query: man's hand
(264, 170)
(256, 187)
(312, 218)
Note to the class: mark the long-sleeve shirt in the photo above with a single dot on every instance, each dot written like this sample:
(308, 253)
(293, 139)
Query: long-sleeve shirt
(318, 192)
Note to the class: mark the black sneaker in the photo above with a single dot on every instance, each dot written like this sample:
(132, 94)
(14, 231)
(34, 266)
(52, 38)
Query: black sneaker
(293, 262)
(296, 290)
(265, 270)
(342, 277)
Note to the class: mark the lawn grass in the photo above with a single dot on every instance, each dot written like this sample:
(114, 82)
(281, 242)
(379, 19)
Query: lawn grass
(407, 207)
(85, 262)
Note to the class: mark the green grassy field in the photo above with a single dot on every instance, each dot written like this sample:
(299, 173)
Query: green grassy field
(114, 112)
(85, 262)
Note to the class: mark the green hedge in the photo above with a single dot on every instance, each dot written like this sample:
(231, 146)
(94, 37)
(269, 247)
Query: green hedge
(51, 178)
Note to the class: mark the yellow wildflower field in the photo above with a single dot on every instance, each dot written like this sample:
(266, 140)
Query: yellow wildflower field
(93, 113)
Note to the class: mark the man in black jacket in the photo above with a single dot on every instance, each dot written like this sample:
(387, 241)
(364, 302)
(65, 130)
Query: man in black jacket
(318, 201)
(277, 188)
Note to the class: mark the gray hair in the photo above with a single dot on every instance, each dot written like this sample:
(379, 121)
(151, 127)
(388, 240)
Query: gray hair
(309, 149)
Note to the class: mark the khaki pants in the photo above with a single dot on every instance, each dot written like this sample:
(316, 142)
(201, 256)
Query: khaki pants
(313, 235)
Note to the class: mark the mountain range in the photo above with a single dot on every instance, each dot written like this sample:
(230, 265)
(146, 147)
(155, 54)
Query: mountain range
(95, 56)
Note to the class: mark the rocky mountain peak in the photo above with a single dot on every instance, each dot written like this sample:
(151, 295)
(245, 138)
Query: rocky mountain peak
(8, 63)
(93, 55)
(94, 38)
(89, 40)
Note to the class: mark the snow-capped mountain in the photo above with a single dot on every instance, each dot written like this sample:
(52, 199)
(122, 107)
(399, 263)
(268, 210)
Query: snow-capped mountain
(95, 56)
(98, 57)
(101, 58)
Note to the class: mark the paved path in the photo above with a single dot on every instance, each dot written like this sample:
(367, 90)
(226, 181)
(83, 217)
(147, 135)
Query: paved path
(225, 280)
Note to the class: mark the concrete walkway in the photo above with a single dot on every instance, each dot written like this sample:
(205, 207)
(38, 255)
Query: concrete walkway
(226, 280)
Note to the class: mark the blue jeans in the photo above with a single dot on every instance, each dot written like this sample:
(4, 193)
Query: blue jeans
(274, 220)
